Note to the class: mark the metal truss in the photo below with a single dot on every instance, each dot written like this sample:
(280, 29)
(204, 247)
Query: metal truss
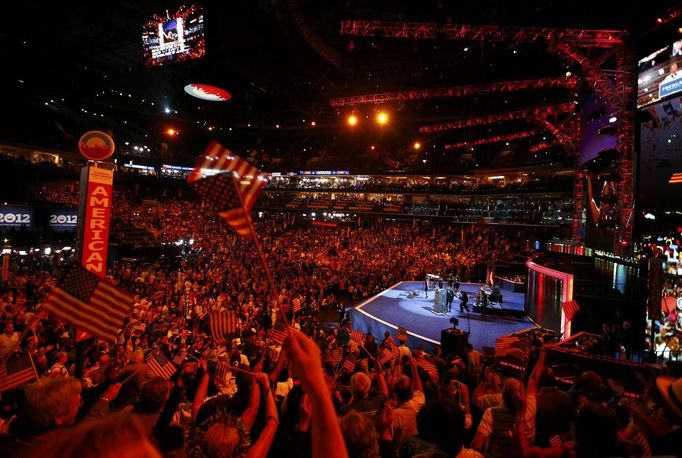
(616, 86)
(416, 30)
(495, 139)
(457, 91)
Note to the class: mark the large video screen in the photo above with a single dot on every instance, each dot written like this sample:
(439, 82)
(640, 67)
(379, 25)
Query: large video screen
(175, 36)
(660, 74)
(660, 163)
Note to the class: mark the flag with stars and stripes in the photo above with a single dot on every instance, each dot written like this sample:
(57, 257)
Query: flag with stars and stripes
(429, 367)
(87, 302)
(357, 336)
(349, 364)
(229, 185)
(336, 355)
(222, 323)
(279, 336)
(386, 356)
(17, 371)
(161, 366)
(570, 309)
(503, 343)
(222, 371)
(180, 358)
(401, 334)
(296, 305)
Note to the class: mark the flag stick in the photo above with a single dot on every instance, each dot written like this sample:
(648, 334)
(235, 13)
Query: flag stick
(239, 369)
(266, 268)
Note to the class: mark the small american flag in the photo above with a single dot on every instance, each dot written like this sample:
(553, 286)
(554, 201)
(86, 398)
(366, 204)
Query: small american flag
(279, 336)
(222, 371)
(428, 367)
(570, 309)
(231, 194)
(161, 366)
(555, 441)
(222, 323)
(401, 334)
(296, 305)
(180, 358)
(18, 370)
(336, 355)
(89, 303)
(503, 343)
(357, 336)
(349, 364)
(386, 356)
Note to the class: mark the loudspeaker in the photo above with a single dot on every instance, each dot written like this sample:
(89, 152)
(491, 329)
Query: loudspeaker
(454, 342)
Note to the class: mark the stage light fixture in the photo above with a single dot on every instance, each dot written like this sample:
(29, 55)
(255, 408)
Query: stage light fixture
(352, 120)
(417, 145)
(172, 132)
(382, 118)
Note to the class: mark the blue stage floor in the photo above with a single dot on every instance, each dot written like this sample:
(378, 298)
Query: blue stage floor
(392, 308)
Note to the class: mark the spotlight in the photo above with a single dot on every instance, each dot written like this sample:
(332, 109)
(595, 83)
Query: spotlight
(417, 145)
(172, 132)
(382, 118)
(352, 120)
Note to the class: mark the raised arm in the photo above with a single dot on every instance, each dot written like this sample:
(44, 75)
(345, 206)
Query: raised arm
(534, 380)
(202, 389)
(306, 364)
(260, 448)
(249, 415)
(416, 380)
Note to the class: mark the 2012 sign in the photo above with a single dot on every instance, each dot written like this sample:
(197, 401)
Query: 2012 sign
(63, 219)
(16, 216)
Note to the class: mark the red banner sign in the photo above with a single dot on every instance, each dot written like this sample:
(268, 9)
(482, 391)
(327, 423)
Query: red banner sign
(96, 222)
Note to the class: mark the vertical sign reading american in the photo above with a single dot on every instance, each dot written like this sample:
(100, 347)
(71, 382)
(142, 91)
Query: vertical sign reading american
(95, 235)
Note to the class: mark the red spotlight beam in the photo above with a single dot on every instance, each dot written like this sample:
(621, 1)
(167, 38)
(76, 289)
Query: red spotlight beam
(495, 139)
(456, 91)
(542, 112)
(429, 31)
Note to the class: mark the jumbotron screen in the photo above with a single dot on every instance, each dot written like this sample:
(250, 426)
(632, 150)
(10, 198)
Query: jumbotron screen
(660, 74)
(175, 36)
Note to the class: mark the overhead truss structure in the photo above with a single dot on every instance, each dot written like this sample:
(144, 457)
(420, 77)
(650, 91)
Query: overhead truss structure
(456, 91)
(591, 49)
(495, 139)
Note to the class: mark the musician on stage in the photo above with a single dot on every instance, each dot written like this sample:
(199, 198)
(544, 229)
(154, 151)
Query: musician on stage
(464, 299)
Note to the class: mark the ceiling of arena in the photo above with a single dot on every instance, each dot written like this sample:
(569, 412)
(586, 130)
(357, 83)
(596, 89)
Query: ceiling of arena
(72, 66)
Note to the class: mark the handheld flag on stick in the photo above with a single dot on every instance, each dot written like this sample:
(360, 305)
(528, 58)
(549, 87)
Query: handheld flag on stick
(279, 336)
(161, 366)
(336, 355)
(386, 356)
(229, 185)
(349, 364)
(570, 309)
(17, 371)
(357, 336)
(296, 305)
(222, 323)
(401, 335)
(85, 301)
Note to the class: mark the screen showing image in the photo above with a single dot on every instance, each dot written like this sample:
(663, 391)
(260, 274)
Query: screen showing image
(660, 74)
(175, 36)
(599, 129)
(660, 161)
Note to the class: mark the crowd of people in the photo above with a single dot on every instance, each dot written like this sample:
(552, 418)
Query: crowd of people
(322, 390)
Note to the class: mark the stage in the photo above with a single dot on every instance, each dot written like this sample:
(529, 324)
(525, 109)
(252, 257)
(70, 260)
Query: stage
(396, 306)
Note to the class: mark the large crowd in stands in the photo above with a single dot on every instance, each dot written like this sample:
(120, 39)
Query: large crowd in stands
(103, 399)
(411, 184)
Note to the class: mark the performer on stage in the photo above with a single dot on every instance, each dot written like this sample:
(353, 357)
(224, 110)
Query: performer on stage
(464, 299)
(450, 296)
(426, 285)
